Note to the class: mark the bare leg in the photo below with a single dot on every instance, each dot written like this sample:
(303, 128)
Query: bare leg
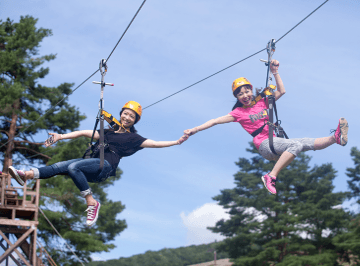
(322, 143)
(90, 200)
(29, 174)
(285, 159)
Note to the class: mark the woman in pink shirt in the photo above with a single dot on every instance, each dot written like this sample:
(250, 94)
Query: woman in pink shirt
(253, 115)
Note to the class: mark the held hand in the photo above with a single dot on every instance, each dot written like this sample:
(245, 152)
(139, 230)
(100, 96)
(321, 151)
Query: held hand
(54, 138)
(182, 139)
(190, 132)
(274, 66)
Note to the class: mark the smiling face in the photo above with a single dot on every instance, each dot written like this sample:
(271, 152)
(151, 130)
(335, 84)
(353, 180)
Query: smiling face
(245, 95)
(128, 118)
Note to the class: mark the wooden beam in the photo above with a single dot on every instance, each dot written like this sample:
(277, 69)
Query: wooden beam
(11, 256)
(33, 251)
(2, 190)
(14, 246)
(18, 222)
(12, 230)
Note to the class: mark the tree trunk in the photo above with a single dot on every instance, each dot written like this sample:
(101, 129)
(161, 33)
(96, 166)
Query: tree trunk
(10, 145)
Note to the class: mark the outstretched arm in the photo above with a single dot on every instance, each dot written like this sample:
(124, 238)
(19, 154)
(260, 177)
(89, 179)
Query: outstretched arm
(220, 120)
(149, 143)
(72, 135)
(274, 67)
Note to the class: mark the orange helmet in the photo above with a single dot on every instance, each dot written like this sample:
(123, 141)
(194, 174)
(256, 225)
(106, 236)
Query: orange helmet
(240, 82)
(136, 107)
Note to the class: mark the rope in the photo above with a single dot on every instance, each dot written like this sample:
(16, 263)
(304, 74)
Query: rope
(48, 110)
(50, 259)
(60, 236)
(205, 78)
(238, 61)
(82, 82)
(301, 21)
(126, 29)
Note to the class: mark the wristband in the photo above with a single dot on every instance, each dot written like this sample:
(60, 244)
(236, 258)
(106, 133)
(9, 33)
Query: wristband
(277, 73)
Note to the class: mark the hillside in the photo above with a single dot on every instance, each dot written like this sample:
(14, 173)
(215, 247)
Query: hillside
(182, 256)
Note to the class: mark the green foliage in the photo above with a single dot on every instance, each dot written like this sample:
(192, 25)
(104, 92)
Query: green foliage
(175, 257)
(348, 244)
(354, 174)
(24, 103)
(295, 227)
(27, 108)
(65, 209)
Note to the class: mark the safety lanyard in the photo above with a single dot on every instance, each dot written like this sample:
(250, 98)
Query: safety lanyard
(114, 123)
(270, 48)
(100, 115)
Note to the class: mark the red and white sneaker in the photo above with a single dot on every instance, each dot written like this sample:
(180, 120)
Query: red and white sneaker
(18, 175)
(269, 183)
(92, 214)
(341, 133)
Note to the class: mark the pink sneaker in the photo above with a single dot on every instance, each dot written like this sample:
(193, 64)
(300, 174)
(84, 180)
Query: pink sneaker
(269, 183)
(18, 175)
(92, 214)
(341, 132)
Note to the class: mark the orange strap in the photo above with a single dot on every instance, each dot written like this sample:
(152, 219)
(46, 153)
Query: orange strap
(113, 121)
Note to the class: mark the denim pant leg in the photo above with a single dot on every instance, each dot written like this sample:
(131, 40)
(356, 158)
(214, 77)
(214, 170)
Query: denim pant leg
(80, 170)
(88, 170)
(59, 168)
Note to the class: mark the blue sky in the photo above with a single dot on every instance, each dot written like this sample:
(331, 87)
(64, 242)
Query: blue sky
(172, 44)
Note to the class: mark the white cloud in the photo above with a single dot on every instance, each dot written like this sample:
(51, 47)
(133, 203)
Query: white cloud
(198, 220)
(97, 258)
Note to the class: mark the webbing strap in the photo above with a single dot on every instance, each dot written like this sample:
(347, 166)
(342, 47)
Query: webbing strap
(258, 131)
(102, 142)
(114, 123)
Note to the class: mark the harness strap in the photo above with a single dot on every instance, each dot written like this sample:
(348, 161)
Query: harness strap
(263, 94)
(114, 123)
(258, 131)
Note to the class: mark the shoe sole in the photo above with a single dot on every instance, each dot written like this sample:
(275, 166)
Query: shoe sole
(96, 217)
(344, 128)
(16, 176)
(262, 178)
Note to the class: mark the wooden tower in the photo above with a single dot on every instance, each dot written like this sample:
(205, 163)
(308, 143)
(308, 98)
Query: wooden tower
(19, 218)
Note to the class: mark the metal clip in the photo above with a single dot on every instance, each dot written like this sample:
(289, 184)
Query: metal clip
(271, 47)
(102, 65)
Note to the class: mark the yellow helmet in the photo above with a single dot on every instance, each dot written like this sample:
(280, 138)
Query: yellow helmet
(240, 82)
(136, 107)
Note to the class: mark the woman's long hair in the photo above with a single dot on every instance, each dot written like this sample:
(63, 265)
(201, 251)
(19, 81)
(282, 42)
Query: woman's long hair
(239, 104)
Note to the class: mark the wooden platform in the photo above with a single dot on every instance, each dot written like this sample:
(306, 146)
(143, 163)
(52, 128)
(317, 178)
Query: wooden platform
(19, 217)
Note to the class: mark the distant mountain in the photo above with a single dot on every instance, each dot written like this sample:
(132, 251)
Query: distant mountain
(182, 256)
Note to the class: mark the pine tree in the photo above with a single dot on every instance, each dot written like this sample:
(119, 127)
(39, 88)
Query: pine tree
(24, 103)
(27, 108)
(295, 227)
(354, 174)
(348, 243)
(69, 218)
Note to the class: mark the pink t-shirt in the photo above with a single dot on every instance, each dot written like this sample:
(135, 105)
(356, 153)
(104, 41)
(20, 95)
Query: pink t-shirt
(253, 118)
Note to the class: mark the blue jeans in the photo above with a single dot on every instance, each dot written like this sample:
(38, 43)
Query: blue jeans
(80, 170)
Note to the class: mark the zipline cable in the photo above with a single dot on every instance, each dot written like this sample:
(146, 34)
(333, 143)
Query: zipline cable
(301, 21)
(126, 29)
(83, 81)
(51, 108)
(60, 235)
(203, 78)
(238, 61)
